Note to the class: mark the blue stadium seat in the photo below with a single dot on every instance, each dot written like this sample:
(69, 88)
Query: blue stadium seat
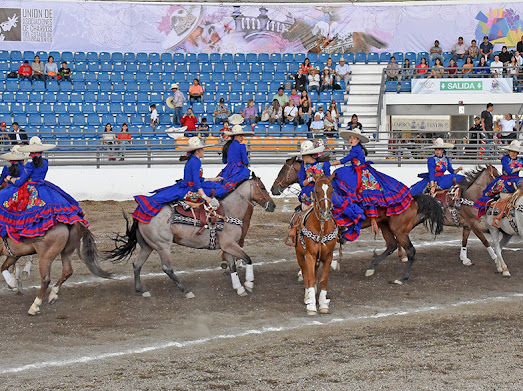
(198, 108)
(422, 55)
(104, 57)
(39, 86)
(404, 86)
(208, 96)
(29, 55)
(391, 86)
(217, 77)
(46, 108)
(215, 57)
(103, 96)
(42, 54)
(75, 97)
(325, 96)
(142, 57)
(220, 95)
(45, 132)
(9, 96)
(274, 130)
(115, 107)
(119, 86)
(88, 108)
(223, 87)
(260, 130)
(142, 97)
(191, 57)
(17, 108)
(67, 56)
(219, 67)
(11, 85)
(313, 57)
(399, 57)
(90, 76)
(93, 119)
(34, 119)
(143, 67)
(91, 86)
(247, 95)
(301, 130)
(21, 119)
(129, 108)
(338, 96)
(314, 96)
(103, 77)
(385, 57)
(234, 97)
(249, 86)
(130, 67)
(287, 130)
(92, 56)
(229, 77)
(16, 56)
(49, 119)
(178, 58)
(263, 57)
(78, 119)
(361, 58)
(101, 108)
(93, 66)
(121, 119)
(66, 86)
(79, 56)
(266, 77)
(119, 67)
(256, 67)
(4, 109)
(4, 66)
(236, 86)
(61, 133)
(373, 58)
(202, 57)
(22, 97)
(64, 119)
(166, 57)
(107, 119)
(129, 57)
(52, 86)
(227, 58)
(25, 85)
(244, 67)
(80, 67)
(30, 108)
(131, 86)
(73, 108)
(143, 108)
(287, 58)
(260, 97)
(136, 119)
(411, 56)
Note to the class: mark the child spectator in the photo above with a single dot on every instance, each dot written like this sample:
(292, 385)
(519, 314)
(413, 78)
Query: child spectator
(25, 71)
(51, 69)
(4, 136)
(250, 113)
(225, 128)
(154, 116)
(123, 139)
(189, 120)
(65, 72)
(38, 69)
(327, 80)
(203, 128)
(320, 113)
(195, 92)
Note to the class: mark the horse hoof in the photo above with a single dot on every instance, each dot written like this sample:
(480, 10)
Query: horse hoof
(467, 262)
(506, 274)
(324, 310)
(224, 265)
(13, 289)
(190, 295)
(312, 312)
(241, 291)
(499, 270)
(25, 275)
(398, 282)
(33, 310)
(249, 285)
(369, 272)
(146, 294)
(404, 259)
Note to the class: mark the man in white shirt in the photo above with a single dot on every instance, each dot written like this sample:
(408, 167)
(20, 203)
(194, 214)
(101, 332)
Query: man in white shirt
(508, 126)
(317, 127)
(154, 116)
(290, 114)
(320, 113)
(343, 72)
(460, 50)
(496, 67)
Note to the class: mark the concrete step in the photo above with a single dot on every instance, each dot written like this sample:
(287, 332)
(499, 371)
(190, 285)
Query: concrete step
(361, 99)
(357, 108)
(364, 89)
(367, 68)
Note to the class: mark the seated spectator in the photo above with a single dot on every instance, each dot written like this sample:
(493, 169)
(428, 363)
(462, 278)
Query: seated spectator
(486, 48)
(508, 129)
(473, 50)
(250, 113)
(330, 65)
(320, 112)
(65, 72)
(225, 128)
(38, 69)
(513, 68)
(4, 136)
(195, 92)
(305, 112)
(460, 49)
(342, 72)
(221, 112)
(330, 124)
(467, 68)
(154, 116)
(317, 127)
(108, 139)
(482, 70)
(519, 58)
(189, 120)
(452, 69)
(327, 81)
(51, 69)
(505, 55)
(305, 97)
(421, 68)
(300, 81)
(281, 96)
(305, 67)
(335, 114)
(392, 70)
(123, 139)
(407, 72)
(290, 113)
(437, 70)
(275, 112)
(203, 128)
(25, 71)
(295, 96)
(17, 135)
(354, 124)
(496, 67)
(436, 52)
(314, 80)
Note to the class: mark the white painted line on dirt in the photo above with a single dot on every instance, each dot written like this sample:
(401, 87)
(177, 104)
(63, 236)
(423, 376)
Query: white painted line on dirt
(261, 330)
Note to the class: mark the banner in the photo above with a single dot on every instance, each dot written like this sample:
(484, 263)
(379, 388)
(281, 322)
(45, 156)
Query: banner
(256, 28)
(428, 123)
(462, 85)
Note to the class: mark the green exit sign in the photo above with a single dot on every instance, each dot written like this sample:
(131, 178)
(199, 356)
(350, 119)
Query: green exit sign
(461, 85)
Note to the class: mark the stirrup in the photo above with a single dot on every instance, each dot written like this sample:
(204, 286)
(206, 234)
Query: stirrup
(290, 240)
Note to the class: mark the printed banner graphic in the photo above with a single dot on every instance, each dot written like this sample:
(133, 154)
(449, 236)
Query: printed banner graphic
(460, 86)
(427, 124)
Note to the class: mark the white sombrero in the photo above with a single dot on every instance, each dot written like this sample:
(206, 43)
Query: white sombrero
(235, 119)
(237, 130)
(175, 85)
(193, 144)
(307, 148)
(35, 145)
(440, 144)
(514, 146)
(345, 134)
(170, 102)
(15, 154)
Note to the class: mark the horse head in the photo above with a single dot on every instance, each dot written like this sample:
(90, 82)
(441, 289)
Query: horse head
(323, 197)
(287, 176)
(260, 195)
(492, 171)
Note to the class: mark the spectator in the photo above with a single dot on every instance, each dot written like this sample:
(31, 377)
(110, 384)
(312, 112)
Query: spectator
(275, 112)
(317, 127)
(221, 112)
(305, 112)
(17, 136)
(421, 68)
(330, 124)
(354, 123)
(467, 68)
(305, 67)
(496, 67)
(437, 70)
(154, 116)
(38, 69)
(327, 81)
(508, 129)
(51, 69)
(300, 81)
(203, 128)
(460, 49)
(314, 80)
(519, 58)
(330, 65)
(225, 128)
(305, 97)
(290, 114)
(519, 46)
(482, 70)
(189, 120)
(4, 136)
(281, 96)
(108, 139)
(512, 68)
(435, 52)
(407, 72)
(343, 73)
(320, 112)
(123, 139)
(473, 50)
(294, 96)
(177, 103)
(195, 92)
(335, 114)
(486, 49)
(65, 72)
(250, 113)
(486, 122)
(392, 70)
(452, 69)
(505, 55)
(473, 138)
(25, 71)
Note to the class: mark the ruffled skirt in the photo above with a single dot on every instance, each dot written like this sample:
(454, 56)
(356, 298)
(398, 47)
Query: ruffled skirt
(442, 183)
(232, 174)
(498, 185)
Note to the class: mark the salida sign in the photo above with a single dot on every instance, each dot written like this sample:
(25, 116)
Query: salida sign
(461, 86)
(501, 85)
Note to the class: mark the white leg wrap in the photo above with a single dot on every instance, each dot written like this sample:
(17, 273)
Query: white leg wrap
(300, 276)
(249, 273)
(323, 301)
(492, 253)
(463, 257)
(311, 301)
(53, 295)
(35, 307)
(334, 264)
(235, 280)
(27, 267)
(9, 279)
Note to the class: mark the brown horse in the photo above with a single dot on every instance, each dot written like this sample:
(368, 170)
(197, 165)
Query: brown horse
(315, 243)
(62, 239)
(395, 229)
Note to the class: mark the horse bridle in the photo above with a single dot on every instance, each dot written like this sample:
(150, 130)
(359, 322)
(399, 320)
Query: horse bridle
(286, 177)
(253, 204)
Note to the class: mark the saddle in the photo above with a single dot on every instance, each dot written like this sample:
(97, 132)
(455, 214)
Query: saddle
(199, 212)
(505, 203)
(297, 222)
(449, 198)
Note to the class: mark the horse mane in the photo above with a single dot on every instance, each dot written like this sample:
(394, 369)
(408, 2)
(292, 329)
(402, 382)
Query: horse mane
(471, 177)
(235, 187)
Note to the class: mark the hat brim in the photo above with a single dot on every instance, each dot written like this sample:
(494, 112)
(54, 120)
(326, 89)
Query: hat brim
(236, 119)
(311, 152)
(242, 133)
(512, 148)
(36, 147)
(187, 148)
(13, 156)
(345, 134)
(169, 102)
(440, 146)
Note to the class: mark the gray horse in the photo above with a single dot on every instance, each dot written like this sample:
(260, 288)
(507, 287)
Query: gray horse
(161, 232)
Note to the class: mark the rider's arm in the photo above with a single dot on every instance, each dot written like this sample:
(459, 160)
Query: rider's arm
(243, 151)
(24, 176)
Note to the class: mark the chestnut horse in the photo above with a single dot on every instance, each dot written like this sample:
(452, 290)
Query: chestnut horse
(315, 243)
(395, 229)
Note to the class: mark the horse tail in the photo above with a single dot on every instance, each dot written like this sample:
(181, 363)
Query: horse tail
(431, 212)
(88, 253)
(124, 244)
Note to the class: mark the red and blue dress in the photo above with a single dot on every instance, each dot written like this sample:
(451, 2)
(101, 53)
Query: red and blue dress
(32, 205)
(345, 213)
(236, 170)
(370, 189)
(507, 183)
(185, 189)
(437, 167)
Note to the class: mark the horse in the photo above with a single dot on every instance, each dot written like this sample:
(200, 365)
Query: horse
(62, 239)
(316, 241)
(395, 229)
(510, 225)
(161, 232)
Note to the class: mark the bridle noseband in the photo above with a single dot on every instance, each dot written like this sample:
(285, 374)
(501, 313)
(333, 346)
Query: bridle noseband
(287, 174)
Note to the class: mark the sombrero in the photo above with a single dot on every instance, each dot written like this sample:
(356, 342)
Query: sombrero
(170, 102)
(440, 144)
(237, 130)
(15, 154)
(345, 134)
(193, 144)
(235, 119)
(35, 145)
(307, 148)
(514, 146)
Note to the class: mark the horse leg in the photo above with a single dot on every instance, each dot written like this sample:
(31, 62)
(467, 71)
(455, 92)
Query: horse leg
(143, 255)
(245, 228)
(165, 256)
(309, 277)
(45, 274)
(463, 252)
(494, 232)
(10, 280)
(67, 271)
(481, 236)
(402, 255)
(300, 256)
(392, 244)
(503, 242)
(235, 279)
(404, 241)
(26, 271)
(322, 299)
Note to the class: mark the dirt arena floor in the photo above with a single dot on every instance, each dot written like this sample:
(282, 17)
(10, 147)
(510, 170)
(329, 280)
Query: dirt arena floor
(450, 327)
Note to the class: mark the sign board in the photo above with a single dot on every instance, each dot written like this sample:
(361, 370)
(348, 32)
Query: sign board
(462, 85)
(428, 124)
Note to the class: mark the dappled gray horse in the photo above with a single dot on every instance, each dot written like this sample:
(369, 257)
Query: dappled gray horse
(162, 231)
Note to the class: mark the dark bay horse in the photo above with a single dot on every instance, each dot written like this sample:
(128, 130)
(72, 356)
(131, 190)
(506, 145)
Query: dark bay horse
(395, 229)
(62, 239)
(161, 232)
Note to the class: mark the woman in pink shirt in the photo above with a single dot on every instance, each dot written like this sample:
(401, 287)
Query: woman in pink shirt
(305, 67)
(195, 92)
